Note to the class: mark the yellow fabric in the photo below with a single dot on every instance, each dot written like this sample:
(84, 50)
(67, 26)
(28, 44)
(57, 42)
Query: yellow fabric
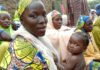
(6, 59)
(3, 48)
(24, 49)
(22, 5)
(92, 51)
(16, 18)
(27, 51)
(96, 31)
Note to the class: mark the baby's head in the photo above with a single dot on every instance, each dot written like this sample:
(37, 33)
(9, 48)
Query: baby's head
(78, 43)
(5, 19)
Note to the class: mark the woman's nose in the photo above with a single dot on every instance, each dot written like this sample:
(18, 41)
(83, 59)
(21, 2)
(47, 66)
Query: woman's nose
(42, 19)
(60, 21)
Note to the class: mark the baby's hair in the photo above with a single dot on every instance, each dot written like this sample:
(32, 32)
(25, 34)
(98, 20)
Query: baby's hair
(84, 36)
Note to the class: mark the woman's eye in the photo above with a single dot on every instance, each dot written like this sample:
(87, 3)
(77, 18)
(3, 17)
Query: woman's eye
(33, 16)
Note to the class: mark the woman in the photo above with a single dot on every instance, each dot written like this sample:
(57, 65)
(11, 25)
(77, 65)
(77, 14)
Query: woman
(96, 36)
(92, 52)
(30, 50)
(55, 21)
(57, 33)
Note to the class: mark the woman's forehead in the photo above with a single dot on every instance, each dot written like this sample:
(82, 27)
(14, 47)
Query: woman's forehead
(36, 5)
(36, 8)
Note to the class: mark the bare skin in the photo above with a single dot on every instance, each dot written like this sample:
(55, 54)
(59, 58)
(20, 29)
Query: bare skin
(74, 58)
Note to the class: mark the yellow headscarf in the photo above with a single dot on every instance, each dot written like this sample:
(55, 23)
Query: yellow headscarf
(22, 5)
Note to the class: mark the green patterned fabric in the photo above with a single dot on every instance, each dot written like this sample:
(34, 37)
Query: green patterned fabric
(24, 55)
(95, 65)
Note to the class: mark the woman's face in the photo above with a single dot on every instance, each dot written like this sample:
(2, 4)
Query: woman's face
(88, 26)
(5, 20)
(34, 19)
(75, 45)
(57, 22)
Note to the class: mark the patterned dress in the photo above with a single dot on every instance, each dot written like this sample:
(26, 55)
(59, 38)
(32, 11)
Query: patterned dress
(22, 55)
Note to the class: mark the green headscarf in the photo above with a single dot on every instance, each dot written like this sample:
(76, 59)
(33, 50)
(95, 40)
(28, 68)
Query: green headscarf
(82, 20)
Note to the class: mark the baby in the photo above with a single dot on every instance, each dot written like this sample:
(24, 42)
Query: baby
(77, 45)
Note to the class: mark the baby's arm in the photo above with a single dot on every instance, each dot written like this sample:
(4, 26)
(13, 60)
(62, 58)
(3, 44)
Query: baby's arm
(76, 62)
(70, 63)
(4, 36)
(80, 65)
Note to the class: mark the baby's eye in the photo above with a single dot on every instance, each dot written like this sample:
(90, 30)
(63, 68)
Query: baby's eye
(77, 45)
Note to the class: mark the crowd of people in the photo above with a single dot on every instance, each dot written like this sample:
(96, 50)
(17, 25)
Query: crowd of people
(36, 40)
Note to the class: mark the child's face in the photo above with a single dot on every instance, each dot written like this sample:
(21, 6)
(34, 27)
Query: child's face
(88, 26)
(75, 45)
(5, 20)
(57, 22)
(34, 19)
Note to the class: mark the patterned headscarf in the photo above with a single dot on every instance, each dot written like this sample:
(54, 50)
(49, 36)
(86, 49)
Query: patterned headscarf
(22, 5)
(82, 20)
(50, 16)
(98, 9)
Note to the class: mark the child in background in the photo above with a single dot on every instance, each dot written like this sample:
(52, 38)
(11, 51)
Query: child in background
(6, 22)
(77, 45)
(3, 35)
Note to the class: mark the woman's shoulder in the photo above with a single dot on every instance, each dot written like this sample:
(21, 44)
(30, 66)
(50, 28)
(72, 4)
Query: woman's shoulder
(21, 41)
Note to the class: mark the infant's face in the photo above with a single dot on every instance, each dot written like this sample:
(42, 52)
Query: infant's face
(5, 20)
(75, 45)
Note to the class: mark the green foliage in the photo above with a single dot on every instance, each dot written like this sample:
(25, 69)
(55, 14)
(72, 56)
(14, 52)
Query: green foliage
(93, 3)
